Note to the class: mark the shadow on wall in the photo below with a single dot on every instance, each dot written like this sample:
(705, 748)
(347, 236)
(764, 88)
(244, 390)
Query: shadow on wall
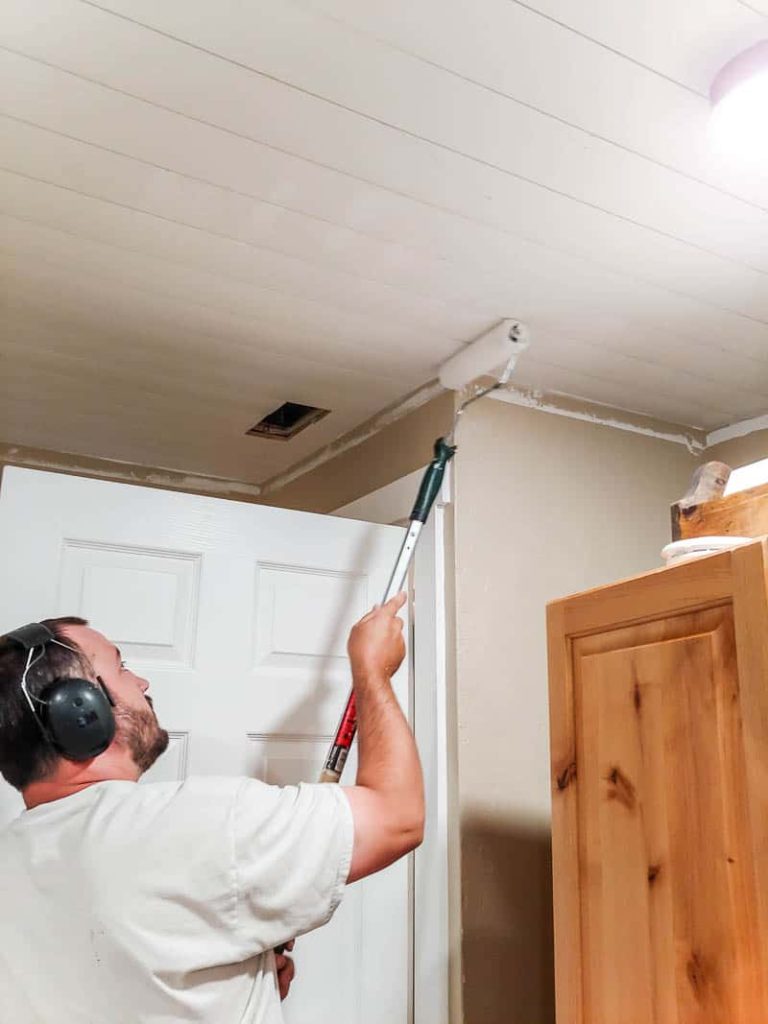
(508, 951)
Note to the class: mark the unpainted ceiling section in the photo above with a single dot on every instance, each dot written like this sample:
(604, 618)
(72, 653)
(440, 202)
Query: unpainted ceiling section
(209, 209)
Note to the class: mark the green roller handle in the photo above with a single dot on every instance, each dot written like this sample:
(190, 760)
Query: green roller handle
(432, 481)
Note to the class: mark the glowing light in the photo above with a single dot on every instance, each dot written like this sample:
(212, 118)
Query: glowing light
(739, 124)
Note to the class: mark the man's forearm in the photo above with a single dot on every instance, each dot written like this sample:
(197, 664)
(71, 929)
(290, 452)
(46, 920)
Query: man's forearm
(388, 761)
(387, 802)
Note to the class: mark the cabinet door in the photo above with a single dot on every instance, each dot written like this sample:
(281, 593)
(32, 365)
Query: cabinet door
(660, 773)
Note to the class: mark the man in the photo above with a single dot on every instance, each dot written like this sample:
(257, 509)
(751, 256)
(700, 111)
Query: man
(164, 902)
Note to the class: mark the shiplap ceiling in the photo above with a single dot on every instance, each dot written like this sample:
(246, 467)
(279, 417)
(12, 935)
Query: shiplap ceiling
(211, 208)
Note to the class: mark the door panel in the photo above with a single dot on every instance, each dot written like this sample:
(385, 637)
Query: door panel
(146, 600)
(659, 747)
(659, 731)
(238, 615)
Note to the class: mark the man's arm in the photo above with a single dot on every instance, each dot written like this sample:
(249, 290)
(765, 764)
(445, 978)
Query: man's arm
(387, 800)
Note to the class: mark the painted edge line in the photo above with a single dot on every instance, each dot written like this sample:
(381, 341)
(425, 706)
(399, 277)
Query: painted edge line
(607, 416)
(118, 471)
(734, 430)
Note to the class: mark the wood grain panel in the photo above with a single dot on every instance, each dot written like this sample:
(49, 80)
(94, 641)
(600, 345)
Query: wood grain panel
(744, 514)
(658, 782)
(656, 595)
(565, 823)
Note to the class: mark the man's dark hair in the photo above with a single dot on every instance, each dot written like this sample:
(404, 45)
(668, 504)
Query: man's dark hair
(25, 754)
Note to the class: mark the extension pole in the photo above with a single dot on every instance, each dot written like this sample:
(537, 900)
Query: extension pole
(428, 491)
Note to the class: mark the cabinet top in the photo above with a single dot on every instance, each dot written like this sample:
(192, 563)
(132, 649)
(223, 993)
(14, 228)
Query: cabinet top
(687, 586)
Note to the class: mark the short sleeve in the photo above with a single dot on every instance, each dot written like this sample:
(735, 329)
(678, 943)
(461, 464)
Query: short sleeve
(292, 849)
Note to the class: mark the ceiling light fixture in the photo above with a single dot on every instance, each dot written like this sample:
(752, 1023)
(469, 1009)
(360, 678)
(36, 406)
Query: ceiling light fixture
(739, 94)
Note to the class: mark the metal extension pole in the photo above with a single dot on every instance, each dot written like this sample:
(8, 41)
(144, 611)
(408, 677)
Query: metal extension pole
(428, 491)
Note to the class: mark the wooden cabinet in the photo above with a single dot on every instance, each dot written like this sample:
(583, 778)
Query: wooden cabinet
(659, 739)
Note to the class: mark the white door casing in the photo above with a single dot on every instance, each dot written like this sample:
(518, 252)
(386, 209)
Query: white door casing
(238, 614)
(435, 929)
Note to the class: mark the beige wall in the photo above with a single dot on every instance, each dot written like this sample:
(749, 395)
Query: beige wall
(544, 506)
(396, 450)
(741, 450)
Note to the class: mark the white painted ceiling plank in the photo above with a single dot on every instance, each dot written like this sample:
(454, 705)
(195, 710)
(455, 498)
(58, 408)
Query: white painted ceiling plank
(690, 364)
(703, 357)
(584, 231)
(278, 39)
(681, 357)
(89, 390)
(74, 217)
(153, 399)
(261, 384)
(91, 170)
(687, 362)
(544, 375)
(621, 314)
(246, 385)
(535, 221)
(498, 262)
(687, 43)
(494, 270)
(222, 369)
(642, 111)
(55, 288)
(177, 243)
(438, 343)
(655, 377)
(365, 342)
(685, 378)
(128, 394)
(553, 301)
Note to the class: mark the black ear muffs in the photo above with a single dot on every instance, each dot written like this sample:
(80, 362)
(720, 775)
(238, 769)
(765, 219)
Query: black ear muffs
(78, 717)
(75, 715)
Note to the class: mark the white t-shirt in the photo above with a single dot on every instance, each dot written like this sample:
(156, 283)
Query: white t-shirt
(159, 903)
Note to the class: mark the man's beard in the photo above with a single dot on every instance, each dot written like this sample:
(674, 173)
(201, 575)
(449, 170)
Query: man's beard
(140, 732)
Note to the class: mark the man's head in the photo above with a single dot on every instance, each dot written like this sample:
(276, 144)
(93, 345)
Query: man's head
(25, 755)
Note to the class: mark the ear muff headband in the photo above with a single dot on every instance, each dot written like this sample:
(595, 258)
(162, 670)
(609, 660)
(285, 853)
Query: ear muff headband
(74, 715)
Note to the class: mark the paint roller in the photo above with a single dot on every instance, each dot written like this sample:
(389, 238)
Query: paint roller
(493, 354)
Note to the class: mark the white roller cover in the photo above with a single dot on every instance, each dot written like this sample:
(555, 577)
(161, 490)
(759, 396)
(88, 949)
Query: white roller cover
(488, 355)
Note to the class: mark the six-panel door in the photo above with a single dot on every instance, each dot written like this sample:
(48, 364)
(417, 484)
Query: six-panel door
(238, 614)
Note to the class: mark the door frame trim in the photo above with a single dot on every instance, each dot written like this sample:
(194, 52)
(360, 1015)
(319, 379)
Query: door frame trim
(430, 878)
(435, 919)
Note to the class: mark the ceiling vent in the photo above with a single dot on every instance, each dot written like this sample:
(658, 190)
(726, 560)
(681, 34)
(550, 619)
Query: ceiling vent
(286, 422)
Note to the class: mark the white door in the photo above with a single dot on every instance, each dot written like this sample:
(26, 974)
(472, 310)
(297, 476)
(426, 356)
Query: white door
(238, 615)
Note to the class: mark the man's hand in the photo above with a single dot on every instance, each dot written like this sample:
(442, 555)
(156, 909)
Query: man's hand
(286, 969)
(376, 647)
